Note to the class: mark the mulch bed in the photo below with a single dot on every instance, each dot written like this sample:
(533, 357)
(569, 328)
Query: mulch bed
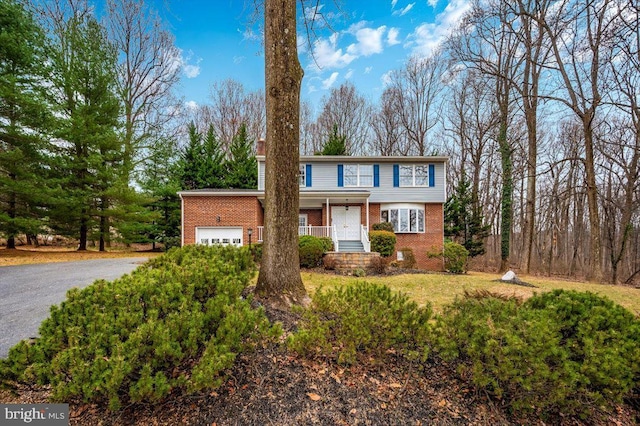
(271, 386)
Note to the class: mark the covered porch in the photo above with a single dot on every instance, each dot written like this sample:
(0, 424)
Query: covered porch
(342, 216)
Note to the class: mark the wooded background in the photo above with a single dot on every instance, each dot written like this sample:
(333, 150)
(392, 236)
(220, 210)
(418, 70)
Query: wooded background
(537, 103)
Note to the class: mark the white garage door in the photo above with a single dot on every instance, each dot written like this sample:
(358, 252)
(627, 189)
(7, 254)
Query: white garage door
(219, 235)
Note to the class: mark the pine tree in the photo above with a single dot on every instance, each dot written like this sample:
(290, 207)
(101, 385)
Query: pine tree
(202, 163)
(336, 145)
(242, 168)
(23, 122)
(463, 220)
(84, 83)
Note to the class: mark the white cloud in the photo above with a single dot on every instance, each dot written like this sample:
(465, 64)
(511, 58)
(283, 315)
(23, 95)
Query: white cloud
(386, 78)
(238, 59)
(393, 3)
(392, 37)
(368, 70)
(428, 36)
(326, 54)
(348, 75)
(432, 3)
(326, 84)
(191, 105)
(369, 39)
(182, 62)
(404, 11)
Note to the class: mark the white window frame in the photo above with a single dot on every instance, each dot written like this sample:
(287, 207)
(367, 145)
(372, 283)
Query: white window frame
(400, 215)
(414, 177)
(359, 176)
(302, 176)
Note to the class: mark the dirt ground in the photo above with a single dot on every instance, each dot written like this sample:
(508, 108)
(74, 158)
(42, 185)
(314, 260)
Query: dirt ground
(46, 254)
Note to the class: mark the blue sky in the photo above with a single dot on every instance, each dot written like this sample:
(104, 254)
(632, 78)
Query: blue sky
(371, 39)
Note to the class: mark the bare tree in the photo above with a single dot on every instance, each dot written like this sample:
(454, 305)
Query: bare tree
(231, 108)
(385, 122)
(535, 52)
(417, 87)
(279, 282)
(148, 72)
(350, 112)
(578, 35)
(485, 44)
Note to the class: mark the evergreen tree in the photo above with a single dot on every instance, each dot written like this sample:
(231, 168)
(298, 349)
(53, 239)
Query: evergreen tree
(201, 163)
(23, 120)
(336, 145)
(242, 167)
(84, 87)
(463, 220)
(161, 184)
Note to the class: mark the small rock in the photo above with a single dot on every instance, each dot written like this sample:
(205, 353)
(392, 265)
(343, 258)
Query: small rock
(509, 276)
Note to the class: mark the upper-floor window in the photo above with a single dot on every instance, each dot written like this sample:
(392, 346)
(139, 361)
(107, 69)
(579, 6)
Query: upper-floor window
(358, 175)
(302, 176)
(414, 175)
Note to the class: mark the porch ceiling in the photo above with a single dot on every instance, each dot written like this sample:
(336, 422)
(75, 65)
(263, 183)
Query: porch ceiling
(315, 199)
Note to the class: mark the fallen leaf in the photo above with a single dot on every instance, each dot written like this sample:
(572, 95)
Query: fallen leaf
(314, 396)
(383, 406)
(395, 385)
(335, 377)
(442, 403)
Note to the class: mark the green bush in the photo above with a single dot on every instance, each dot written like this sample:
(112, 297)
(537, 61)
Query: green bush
(311, 250)
(178, 321)
(383, 226)
(562, 352)
(327, 243)
(383, 242)
(455, 258)
(363, 318)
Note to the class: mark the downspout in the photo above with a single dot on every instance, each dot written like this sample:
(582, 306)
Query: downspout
(181, 220)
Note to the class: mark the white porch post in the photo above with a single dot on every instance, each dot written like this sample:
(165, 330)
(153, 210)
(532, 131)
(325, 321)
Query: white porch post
(367, 214)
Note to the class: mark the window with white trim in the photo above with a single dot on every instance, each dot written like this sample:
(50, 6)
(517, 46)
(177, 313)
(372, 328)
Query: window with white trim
(405, 219)
(414, 175)
(302, 175)
(358, 175)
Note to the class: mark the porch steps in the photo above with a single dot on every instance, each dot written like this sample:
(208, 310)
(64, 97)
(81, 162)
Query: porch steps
(350, 246)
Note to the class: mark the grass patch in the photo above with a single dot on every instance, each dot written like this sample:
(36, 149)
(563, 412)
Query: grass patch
(442, 289)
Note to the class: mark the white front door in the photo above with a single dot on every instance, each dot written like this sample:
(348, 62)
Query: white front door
(346, 221)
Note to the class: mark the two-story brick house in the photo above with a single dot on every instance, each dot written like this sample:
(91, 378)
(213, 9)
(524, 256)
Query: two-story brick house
(341, 197)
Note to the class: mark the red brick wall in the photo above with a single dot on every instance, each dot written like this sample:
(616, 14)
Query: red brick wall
(421, 244)
(245, 212)
(314, 216)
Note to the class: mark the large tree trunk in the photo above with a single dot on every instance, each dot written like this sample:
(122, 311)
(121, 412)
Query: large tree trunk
(595, 252)
(279, 282)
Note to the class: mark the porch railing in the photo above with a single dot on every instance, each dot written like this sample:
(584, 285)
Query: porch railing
(364, 238)
(315, 231)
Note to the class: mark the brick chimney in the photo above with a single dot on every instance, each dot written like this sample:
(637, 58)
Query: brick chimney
(260, 147)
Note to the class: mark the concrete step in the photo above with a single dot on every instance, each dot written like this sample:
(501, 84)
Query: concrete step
(349, 246)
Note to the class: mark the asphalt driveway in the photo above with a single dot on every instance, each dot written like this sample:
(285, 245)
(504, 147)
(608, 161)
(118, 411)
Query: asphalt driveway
(28, 291)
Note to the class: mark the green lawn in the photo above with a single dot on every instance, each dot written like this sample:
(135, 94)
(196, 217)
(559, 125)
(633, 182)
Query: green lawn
(441, 289)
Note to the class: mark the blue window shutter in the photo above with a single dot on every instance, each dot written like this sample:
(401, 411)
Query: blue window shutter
(340, 175)
(376, 175)
(432, 175)
(396, 175)
(308, 176)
